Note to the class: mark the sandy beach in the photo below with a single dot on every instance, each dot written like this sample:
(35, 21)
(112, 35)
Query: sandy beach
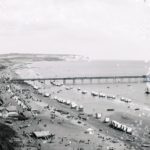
(69, 128)
(74, 74)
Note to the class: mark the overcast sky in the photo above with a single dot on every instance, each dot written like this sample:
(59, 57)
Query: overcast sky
(104, 29)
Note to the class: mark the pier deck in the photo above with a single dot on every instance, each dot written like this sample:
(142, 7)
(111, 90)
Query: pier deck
(142, 78)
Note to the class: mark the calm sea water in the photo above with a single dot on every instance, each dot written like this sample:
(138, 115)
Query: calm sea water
(90, 68)
(94, 68)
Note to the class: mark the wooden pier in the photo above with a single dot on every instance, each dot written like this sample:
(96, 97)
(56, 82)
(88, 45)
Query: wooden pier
(92, 79)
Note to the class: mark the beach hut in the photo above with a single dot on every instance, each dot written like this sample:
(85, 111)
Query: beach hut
(58, 100)
(89, 131)
(129, 130)
(81, 109)
(123, 128)
(68, 102)
(120, 127)
(98, 115)
(106, 120)
(73, 105)
(64, 101)
(111, 96)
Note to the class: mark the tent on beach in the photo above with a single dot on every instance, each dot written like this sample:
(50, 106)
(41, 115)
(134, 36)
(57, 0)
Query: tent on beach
(37, 107)
(43, 134)
(42, 104)
(11, 109)
(8, 109)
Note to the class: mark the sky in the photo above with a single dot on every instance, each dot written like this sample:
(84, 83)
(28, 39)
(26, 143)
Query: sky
(99, 29)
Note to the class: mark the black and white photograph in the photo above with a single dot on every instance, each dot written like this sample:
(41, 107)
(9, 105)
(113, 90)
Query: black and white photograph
(74, 74)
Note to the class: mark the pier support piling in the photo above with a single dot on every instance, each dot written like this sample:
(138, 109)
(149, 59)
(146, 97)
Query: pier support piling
(73, 81)
(64, 81)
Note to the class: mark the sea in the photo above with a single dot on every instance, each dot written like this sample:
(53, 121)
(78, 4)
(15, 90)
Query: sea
(134, 91)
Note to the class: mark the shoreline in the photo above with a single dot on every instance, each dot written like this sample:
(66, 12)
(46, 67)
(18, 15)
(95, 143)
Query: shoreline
(114, 103)
(69, 129)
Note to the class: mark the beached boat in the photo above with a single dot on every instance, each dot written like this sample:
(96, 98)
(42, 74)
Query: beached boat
(56, 83)
(35, 87)
(81, 109)
(79, 89)
(94, 93)
(102, 95)
(147, 91)
(84, 92)
(46, 94)
(111, 96)
(68, 102)
(127, 100)
(68, 88)
(60, 100)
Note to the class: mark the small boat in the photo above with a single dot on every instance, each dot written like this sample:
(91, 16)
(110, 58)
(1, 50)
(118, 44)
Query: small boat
(111, 96)
(79, 89)
(46, 95)
(147, 91)
(126, 100)
(110, 109)
(84, 92)
(94, 93)
(102, 95)
(35, 87)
